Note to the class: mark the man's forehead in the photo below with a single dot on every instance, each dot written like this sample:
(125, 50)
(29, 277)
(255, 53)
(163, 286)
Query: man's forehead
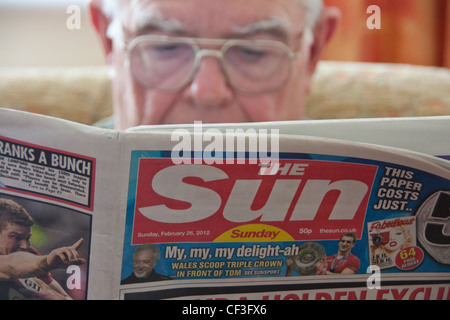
(193, 17)
(143, 255)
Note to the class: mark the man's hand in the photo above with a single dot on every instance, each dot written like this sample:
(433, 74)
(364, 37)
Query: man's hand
(44, 291)
(62, 257)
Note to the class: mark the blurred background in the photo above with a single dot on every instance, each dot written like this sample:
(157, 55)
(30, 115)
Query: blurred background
(412, 31)
(35, 33)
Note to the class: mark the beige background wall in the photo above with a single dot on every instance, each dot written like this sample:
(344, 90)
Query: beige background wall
(35, 33)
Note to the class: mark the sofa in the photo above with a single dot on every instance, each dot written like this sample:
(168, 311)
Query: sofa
(340, 90)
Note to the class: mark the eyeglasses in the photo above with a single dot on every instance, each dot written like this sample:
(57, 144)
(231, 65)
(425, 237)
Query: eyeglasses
(170, 63)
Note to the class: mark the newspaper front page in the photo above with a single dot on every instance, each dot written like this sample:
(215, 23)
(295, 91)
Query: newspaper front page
(209, 214)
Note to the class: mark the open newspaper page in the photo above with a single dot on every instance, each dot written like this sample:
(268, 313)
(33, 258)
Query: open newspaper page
(249, 214)
(64, 175)
(306, 219)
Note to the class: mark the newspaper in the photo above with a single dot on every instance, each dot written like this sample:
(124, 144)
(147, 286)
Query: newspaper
(310, 217)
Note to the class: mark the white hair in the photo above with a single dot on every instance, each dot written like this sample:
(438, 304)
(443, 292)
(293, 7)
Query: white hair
(313, 11)
(112, 8)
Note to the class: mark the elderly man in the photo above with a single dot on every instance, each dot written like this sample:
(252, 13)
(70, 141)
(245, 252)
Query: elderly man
(145, 258)
(180, 61)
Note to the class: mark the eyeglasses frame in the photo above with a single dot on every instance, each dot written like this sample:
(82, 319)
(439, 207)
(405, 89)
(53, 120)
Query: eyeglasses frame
(200, 53)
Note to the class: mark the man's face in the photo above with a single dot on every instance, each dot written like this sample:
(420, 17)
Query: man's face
(346, 244)
(209, 97)
(14, 238)
(143, 264)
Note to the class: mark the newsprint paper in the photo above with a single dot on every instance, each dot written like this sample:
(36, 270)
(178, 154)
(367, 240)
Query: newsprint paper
(308, 210)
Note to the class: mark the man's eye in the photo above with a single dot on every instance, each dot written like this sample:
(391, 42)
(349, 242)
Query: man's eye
(167, 47)
(21, 238)
(251, 53)
(170, 50)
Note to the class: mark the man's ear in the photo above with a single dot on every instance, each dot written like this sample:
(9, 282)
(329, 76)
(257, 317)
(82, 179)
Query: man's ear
(101, 23)
(322, 33)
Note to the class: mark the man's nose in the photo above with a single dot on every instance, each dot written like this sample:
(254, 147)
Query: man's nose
(209, 87)
(24, 245)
